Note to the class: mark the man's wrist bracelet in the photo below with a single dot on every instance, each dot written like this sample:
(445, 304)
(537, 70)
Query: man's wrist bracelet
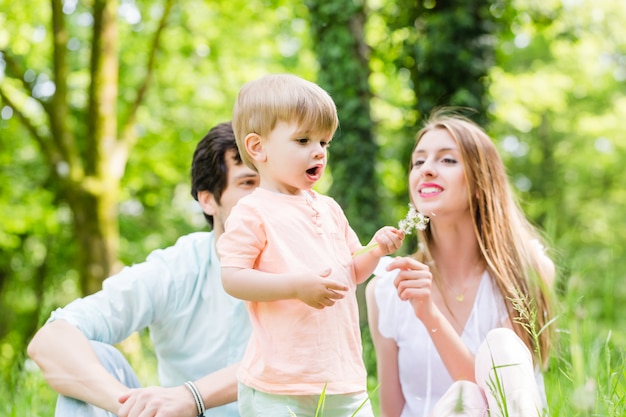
(197, 398)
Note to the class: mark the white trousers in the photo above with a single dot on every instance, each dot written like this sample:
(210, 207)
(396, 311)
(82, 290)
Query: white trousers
(505, 382)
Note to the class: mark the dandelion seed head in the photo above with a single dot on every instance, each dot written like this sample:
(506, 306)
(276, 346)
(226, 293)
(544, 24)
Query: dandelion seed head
(413, 220)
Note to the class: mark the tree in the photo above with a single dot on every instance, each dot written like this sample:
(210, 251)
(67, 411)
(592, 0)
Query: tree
(426, 54)
(338, 33)
(86, 148)
(192, 88)
(338, 30)
(558, 102)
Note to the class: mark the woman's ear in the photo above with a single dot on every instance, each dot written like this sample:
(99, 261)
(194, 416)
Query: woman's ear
(254, 147)
(207, 202)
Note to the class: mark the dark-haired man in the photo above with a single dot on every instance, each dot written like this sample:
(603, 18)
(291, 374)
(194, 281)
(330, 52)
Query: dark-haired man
(198, 331)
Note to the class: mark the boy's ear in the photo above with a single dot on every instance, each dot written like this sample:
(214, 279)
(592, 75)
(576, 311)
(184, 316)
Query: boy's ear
(254, 147)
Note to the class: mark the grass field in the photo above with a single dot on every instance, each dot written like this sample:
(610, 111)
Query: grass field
(586, 376)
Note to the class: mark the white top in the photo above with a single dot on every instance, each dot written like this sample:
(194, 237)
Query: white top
(423, 376)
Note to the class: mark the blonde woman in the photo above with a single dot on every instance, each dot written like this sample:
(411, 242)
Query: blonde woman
(457, 326)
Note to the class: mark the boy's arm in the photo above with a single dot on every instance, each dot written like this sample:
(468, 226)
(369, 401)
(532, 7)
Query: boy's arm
(386, 241)
(71, 367)
(364, 265)
(317, 291)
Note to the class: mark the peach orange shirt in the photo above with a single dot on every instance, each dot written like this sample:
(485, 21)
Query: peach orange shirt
(295, 349)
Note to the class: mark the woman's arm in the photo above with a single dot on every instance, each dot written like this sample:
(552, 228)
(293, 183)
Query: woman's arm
(390, 392)
(414, 283)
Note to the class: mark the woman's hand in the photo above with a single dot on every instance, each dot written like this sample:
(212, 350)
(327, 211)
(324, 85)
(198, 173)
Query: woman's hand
(414, 284)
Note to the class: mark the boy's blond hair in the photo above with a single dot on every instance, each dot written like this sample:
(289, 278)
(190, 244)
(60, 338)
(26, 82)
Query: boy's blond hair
(262, 103)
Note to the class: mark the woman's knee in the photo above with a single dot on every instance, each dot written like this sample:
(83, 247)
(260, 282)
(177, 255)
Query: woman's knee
(463, 398)
(502, 346)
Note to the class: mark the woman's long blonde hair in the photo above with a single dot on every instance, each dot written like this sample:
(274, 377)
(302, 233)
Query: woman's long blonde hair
(509, 245)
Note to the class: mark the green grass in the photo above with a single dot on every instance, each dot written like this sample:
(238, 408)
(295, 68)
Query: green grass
(586, 376)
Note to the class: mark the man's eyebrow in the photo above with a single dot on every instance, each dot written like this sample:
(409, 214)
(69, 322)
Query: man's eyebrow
(246, 175)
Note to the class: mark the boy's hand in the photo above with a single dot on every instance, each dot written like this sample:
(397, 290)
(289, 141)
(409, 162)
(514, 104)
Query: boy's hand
(388, 240)
(318, 291)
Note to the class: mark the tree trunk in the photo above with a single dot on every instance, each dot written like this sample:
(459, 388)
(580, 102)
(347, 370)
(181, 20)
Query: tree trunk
(338, 32)
(95, 202)
(86, 150)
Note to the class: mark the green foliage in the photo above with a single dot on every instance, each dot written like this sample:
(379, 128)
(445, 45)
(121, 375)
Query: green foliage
(558, 103)
(337, 28)
(548, 76)
(198, 74)
(587, 373)
(425, 54)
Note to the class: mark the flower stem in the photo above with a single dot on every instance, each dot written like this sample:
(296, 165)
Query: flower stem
(365, 249)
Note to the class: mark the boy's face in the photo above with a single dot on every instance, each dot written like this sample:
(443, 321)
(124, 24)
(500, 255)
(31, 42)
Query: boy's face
(292, 160)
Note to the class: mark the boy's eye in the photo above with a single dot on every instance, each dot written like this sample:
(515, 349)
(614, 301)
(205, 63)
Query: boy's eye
(302, 140)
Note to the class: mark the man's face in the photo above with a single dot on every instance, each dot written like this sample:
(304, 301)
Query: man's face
(241, 181)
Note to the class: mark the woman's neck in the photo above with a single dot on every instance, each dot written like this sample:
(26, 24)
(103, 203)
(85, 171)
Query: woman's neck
(455, 251)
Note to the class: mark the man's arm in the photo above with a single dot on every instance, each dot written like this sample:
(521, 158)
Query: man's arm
(72, 368)
(217, 389)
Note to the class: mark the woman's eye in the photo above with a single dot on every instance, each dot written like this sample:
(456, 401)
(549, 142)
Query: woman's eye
(418, 163)
(449, 160)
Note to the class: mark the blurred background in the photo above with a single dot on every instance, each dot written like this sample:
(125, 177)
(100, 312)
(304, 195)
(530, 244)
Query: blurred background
(103, 101)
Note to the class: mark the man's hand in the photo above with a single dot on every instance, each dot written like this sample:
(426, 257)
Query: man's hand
(158, 402)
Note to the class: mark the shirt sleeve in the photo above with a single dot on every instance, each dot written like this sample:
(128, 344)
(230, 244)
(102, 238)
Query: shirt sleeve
(130, 300)
(243, 239)
(352, 240)
(387, 299)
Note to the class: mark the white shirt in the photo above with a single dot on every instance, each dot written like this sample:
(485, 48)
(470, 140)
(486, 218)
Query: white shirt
(423, 376)
(195, 326)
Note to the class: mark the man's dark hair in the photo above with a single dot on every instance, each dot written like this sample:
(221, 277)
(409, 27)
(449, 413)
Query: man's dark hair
(208, 167)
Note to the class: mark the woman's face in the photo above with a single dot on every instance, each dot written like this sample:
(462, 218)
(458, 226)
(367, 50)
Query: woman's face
(437, 180)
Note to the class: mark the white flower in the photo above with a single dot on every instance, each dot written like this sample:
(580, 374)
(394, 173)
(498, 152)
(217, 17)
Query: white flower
(413, 220)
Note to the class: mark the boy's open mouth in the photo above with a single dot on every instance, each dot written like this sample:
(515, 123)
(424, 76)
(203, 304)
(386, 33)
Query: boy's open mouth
(313, 171)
